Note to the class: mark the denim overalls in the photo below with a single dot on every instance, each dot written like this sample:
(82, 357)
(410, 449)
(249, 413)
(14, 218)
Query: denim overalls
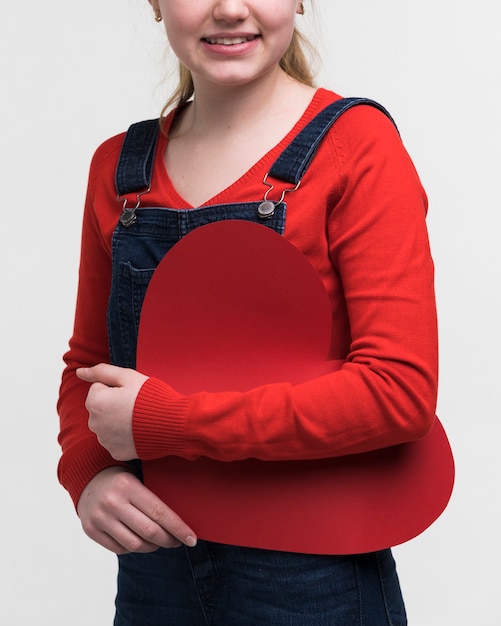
(216, 584)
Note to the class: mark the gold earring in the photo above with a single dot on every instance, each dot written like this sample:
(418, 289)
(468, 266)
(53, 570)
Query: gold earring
(158, 15)
(300, 9)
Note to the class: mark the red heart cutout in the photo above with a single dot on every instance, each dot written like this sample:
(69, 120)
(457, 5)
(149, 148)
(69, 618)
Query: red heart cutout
(232, 306)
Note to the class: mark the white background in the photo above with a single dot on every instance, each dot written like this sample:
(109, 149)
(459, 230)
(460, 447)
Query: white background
(74, 74)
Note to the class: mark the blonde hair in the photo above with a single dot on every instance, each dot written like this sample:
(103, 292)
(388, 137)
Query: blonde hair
(295, 63)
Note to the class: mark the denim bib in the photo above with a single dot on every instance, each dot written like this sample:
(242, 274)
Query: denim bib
(145, 234)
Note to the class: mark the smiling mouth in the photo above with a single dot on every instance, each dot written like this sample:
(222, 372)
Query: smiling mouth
(229, 41)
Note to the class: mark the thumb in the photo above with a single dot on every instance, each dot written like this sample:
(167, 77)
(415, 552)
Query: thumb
(103, 373)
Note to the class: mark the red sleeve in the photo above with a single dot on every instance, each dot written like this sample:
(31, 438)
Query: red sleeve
(82, 455)
(386, 392)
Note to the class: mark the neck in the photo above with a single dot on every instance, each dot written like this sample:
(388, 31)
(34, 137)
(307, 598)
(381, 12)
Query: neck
(217, 109)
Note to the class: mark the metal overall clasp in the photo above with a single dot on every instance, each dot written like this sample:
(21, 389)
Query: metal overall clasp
(267, 207)
(129, 216)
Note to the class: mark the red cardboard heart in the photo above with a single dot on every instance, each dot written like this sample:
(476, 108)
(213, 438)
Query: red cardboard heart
(232, 306)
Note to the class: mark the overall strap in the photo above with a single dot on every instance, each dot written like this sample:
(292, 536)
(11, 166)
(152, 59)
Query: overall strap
(135, 164)
(295, 159)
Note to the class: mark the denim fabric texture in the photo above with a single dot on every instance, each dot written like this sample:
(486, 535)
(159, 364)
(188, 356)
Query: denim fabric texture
(215, 584)
(138, 249)
(221, 585)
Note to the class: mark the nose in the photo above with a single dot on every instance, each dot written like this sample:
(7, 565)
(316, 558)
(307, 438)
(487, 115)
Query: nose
(231, 10)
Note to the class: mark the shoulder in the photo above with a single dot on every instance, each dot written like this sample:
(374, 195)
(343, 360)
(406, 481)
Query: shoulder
(366, 137)
(101, 178)
(364, 145)
(106, 156)
(368, 126)
(363, 137)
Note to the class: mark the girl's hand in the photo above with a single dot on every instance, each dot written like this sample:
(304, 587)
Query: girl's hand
(121, 514)
(110, 403)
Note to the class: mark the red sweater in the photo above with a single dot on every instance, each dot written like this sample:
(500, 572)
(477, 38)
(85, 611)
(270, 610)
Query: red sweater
(359, 217)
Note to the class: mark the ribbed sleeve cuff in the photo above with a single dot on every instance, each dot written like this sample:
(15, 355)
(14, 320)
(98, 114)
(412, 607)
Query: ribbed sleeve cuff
(158, 421)
(81, 463)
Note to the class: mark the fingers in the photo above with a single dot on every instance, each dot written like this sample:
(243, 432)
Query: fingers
(121, 514)
(121, 536)
(162, 523)
(138, 533)
(121, 542)
(110, 404)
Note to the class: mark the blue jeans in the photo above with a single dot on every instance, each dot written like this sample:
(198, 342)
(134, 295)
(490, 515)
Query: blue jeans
(221, 585)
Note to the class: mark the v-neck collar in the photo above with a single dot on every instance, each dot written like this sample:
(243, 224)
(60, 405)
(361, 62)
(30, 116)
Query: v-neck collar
(264, 163)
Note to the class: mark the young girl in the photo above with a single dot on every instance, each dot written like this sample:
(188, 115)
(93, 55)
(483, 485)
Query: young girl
(359, 217)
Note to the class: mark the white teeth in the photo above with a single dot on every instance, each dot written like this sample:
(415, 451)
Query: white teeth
(228, 41)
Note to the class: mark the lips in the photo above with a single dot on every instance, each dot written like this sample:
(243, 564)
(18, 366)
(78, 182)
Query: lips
(230, 41)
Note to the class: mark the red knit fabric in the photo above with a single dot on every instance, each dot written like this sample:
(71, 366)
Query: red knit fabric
(359, 217)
